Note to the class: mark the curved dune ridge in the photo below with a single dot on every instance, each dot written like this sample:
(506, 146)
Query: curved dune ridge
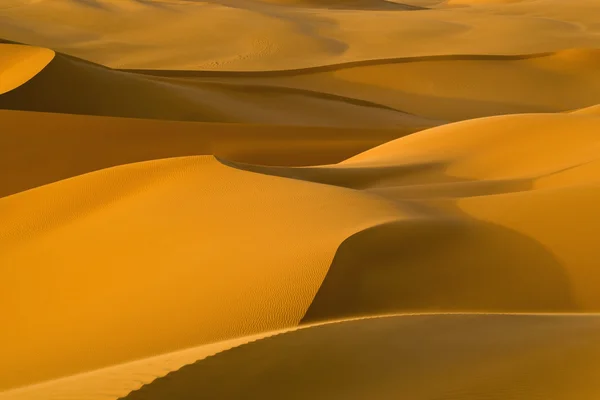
(18, 64)
(408, 93)
(466, 356)
(458, 217)
(101, 220)
(352, 199)
(41, 148)
(526, 346)
(277, 36)
(451, 87)
(74, 86)
(472, 192)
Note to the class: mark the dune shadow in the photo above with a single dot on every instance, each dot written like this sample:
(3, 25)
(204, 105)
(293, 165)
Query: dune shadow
(441, 264)
(401, 357)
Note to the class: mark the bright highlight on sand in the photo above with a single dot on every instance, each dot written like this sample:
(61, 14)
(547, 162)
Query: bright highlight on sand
(299, 199)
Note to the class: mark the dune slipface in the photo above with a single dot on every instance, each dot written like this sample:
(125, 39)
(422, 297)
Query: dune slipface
(329, 199)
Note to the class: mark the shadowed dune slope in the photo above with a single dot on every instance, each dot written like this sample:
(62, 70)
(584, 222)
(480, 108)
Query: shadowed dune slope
(420, 357)
(470, 184)
(40, 148)
(359, 94)
(116, 381)
(593, 110)
(69, 85)
(162, 243)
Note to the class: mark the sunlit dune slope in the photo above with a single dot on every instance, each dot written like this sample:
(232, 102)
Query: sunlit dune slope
(593, 110)
(40, 148)
(69, 85)
(472, 245)
(553, 357)
(18, 64)
(187, 248)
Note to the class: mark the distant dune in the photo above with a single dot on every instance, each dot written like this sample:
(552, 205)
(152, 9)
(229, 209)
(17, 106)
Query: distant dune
(300, 199)
(18, 64)
(68, 85)
(41, 148)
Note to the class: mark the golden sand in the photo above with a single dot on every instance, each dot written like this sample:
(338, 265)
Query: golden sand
(299, 199)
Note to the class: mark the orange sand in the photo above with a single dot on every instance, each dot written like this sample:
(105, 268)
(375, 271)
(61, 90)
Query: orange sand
(352, 199)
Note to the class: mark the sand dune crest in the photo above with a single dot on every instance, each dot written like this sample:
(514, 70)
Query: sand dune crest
(18, 64)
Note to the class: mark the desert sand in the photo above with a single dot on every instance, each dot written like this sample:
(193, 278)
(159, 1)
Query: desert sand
(303, 199)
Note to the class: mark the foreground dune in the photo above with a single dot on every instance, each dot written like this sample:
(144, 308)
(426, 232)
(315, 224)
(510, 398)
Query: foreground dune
(467, 356)
(422, 357)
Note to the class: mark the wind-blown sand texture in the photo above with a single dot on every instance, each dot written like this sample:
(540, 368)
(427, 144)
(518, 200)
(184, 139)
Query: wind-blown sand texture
(300, 199)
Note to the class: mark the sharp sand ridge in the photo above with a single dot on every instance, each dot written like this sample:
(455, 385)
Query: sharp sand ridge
(352, 199)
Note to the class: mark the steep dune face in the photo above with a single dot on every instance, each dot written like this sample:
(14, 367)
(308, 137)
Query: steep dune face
(447, 258)
(18, 64)
(164, 239)
(422, 357)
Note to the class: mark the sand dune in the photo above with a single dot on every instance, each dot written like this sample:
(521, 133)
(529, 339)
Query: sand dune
(18, 64)
(299, 199)
(283, 37)
(41, 148)
(73, 86)
(410, 94)
(423, 357)
(526, 346)
(139, 264)
(538, 269)
(454, 87)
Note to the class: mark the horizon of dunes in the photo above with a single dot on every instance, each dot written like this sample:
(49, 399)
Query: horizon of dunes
(299, 199)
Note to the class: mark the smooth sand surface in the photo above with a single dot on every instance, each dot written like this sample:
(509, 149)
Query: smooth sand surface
(419, 357)
(41, 148)
(18, 64)
(74, 86)
(144, 239)
(327, 199)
